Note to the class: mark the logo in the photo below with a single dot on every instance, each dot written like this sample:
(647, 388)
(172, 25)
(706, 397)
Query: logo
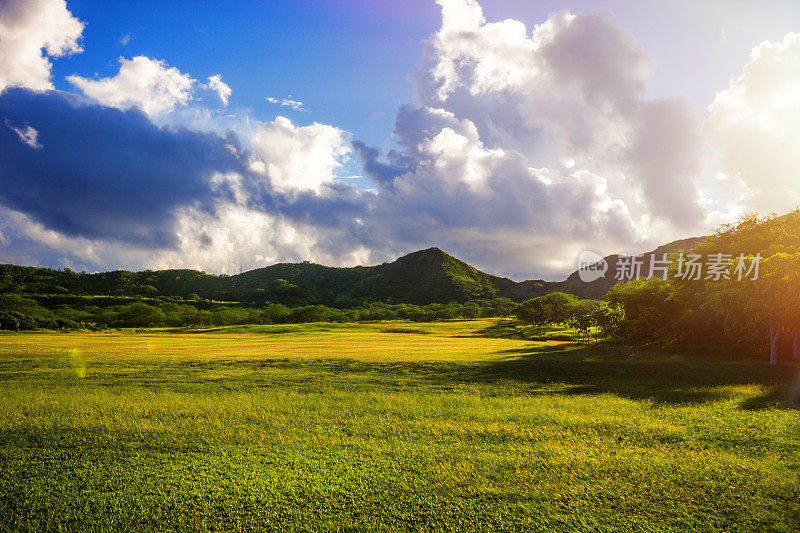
(591, 266)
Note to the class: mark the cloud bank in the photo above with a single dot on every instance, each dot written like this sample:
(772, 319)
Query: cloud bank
(522, 147)
(528, 146)
(101, 173)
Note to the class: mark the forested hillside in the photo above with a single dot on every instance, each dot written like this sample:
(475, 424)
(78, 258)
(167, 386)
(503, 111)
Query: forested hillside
(751, 305)
(423, 277)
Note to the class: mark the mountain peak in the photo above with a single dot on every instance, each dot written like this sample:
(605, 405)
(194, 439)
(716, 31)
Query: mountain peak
(428, 256)
(432, 251)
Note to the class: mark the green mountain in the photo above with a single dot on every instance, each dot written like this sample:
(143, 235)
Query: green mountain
(426, 276)
(422, 277)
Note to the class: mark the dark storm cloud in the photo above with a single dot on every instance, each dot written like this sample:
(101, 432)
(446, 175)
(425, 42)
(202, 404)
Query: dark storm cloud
(99, 172)
(383, 173)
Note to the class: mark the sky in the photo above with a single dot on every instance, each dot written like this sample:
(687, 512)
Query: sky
(511, 134)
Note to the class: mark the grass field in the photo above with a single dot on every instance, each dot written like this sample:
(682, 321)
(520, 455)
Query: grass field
(392, 426)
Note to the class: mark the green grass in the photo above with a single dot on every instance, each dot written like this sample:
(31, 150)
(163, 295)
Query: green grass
(388, 426)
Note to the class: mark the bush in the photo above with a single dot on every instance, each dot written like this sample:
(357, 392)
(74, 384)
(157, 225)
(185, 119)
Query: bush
(140, 315)
(15, 320)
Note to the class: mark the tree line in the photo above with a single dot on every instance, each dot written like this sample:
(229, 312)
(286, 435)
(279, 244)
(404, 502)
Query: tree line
(18, 312)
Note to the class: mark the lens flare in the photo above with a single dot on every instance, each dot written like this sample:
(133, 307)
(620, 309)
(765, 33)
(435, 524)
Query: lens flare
(152, 346)
(77, 362)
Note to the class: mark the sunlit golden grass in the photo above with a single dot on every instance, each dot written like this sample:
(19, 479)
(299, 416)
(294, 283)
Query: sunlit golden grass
(374, 342)
(453, 425)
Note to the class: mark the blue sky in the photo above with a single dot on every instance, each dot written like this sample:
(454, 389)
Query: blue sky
(511, 133)
(349, 60)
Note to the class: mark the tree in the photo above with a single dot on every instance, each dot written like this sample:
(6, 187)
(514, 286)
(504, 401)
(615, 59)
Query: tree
(140, 315)
(583, 316)
(15, 320)
(650, 310)
(777, 293)
(553, 308)
(30, 312)
(609, 319)
(310, 313)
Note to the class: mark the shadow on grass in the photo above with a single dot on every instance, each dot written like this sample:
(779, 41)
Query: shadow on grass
(561, 347)
(661, 377)
(188, 330)
(415, 331)
(498, 330)
(503, 329)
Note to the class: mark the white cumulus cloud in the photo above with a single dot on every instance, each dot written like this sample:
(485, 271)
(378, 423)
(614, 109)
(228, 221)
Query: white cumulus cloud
(298, 157)
(32, 31)
(492, 206)
(572, 89)
(524, 147)
(148, 84)
(754, 129)
(235, 235)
